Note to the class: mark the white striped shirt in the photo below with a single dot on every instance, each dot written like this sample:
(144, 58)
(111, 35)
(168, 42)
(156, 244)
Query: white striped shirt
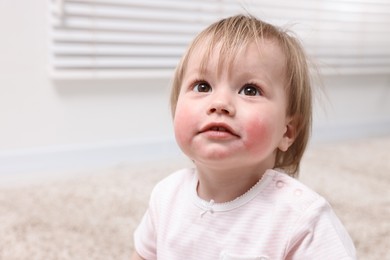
(278, 218)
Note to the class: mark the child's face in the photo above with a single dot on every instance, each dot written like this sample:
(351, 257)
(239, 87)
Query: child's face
(236, 118)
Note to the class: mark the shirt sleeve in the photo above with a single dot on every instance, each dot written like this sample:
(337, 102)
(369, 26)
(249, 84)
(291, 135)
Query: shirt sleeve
(319, 234)
(145, 234)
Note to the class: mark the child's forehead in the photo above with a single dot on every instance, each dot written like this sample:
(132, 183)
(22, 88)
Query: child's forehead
(217, 54)
(221, 54)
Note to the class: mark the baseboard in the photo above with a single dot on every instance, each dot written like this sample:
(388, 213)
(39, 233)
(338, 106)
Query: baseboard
(347, 131)
(87, 156)
(78, 157)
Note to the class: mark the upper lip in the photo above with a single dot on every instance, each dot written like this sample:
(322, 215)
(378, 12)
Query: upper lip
(218, 126)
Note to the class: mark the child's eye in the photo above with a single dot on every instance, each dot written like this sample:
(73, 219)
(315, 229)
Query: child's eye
(250, 90)
(202, 87)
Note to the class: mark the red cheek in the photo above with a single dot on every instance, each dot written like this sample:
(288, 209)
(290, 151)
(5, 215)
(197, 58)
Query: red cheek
(182, 125)
(179, 124)
(258, 135)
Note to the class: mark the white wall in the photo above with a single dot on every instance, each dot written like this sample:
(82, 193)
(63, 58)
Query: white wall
(352, 106)
(69, 124)
(40, 117)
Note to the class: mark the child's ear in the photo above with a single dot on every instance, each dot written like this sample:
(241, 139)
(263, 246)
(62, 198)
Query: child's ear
(289, 135)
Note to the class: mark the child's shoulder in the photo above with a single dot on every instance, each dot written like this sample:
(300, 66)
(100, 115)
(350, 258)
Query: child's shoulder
(176, 182)
(178, 177)
(281, 180)
(290, 191)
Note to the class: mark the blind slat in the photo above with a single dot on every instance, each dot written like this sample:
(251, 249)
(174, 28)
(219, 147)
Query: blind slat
(158, 4)
(97, 50)
(118, 38)
(113, 63)
(77, 23)
(137, 13)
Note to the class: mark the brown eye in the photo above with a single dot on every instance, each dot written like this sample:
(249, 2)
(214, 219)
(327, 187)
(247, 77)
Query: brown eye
(250, 90)
(202, 87)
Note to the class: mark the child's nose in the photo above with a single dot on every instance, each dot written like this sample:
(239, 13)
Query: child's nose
(222, 108)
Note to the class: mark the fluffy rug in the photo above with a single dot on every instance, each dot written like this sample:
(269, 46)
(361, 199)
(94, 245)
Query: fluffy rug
(92, 215)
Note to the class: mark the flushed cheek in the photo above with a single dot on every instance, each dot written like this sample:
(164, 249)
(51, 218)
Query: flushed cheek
(184, 126)
(259, 136)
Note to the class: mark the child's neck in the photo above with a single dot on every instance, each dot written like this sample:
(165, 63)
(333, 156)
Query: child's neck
(226, 184)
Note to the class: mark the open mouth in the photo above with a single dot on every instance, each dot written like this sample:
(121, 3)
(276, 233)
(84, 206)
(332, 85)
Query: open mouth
(219, 129)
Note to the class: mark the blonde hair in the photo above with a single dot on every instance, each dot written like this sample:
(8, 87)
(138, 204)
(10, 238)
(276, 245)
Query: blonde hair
(235, 33)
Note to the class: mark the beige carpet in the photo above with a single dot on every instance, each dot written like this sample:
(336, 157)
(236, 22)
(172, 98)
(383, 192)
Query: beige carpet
(91, 215)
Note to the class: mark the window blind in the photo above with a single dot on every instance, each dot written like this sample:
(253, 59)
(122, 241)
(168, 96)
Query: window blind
(146, 38)
(341, 36)
(115, 38)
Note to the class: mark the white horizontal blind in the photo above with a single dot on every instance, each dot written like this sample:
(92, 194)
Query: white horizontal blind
(116, 38)
(342, 36)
